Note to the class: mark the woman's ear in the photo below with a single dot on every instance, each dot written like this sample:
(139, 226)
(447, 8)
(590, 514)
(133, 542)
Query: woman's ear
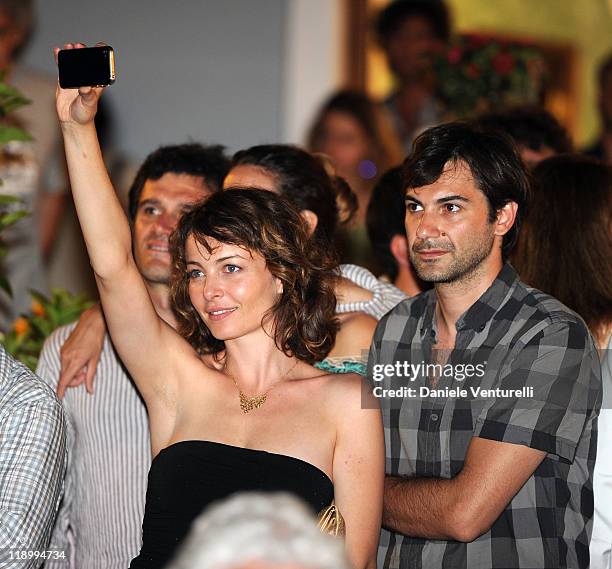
(311, 219)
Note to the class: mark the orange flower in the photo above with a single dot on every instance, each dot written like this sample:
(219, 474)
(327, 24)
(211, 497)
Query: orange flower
(38, 309)
(21, 326)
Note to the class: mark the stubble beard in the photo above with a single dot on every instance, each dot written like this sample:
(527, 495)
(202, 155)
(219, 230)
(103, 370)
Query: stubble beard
(156, 274)
(461, 266)
(156, 277)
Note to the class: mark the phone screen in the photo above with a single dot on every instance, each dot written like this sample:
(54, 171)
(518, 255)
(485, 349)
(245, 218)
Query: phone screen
(88, 66)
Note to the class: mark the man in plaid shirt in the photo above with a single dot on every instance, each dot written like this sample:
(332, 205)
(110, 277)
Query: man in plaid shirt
(32, 465)
(489, 389)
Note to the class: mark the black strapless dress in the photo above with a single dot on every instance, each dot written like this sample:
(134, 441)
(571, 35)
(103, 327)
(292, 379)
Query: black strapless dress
(187, 476)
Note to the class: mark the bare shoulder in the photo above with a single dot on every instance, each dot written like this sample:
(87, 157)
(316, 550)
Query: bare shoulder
(355, 334)
(349, 391)
(358, 321)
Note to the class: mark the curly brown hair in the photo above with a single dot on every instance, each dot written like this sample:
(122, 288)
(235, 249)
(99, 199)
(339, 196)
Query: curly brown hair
(303, 317)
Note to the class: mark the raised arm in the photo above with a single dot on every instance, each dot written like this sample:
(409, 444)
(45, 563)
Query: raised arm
(145, 343)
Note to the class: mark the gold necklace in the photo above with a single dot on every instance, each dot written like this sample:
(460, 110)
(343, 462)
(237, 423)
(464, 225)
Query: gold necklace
(247, 404)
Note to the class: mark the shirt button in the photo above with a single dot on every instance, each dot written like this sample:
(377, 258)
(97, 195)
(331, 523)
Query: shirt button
(434, 417)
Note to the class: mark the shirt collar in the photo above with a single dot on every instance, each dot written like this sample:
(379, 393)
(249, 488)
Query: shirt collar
(477, 315)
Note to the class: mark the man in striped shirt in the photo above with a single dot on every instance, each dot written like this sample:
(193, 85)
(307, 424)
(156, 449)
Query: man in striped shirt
(108, 436)
(489, 389)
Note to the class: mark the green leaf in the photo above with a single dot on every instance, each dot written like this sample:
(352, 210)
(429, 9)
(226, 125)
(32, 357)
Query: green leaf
(39, 296)
(7, 90)
(9, 219)
(10, 133)
(11, 99)
(6, 200)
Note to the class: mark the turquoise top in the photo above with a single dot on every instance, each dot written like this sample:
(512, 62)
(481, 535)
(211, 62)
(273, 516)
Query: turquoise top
(342, 365)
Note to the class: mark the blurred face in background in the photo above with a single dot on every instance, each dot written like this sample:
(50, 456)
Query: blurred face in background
(410, 47)
(533, 157)
(345, 141)
(11, 37)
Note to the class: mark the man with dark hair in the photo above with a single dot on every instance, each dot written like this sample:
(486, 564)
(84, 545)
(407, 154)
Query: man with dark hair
(410, 32)
(489, 389)
(385, 224)
(108, 435)
(207, 163)
(602, 147)
(537, 134)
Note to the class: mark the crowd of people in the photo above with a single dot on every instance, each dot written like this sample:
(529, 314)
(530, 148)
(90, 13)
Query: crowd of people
(399, 335)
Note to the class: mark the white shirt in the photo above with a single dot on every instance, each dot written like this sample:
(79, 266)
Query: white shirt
(109, 454)
(601, 540)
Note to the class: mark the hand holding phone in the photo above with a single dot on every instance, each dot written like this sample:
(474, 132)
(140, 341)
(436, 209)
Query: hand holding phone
(76, 105)
(86, 67)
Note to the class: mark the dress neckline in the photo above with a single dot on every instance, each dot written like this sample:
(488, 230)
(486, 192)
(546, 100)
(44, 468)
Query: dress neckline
(246, 450)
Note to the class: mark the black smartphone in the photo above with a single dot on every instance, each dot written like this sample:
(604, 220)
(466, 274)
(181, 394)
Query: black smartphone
(86, 67)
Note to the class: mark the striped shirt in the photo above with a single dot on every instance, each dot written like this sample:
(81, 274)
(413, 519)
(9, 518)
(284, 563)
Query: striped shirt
(529, 343)
(109, 459)
(32, 462)
(384, 295)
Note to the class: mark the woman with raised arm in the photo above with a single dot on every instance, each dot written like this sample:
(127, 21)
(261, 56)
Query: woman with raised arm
(234, 402)
(326, 202)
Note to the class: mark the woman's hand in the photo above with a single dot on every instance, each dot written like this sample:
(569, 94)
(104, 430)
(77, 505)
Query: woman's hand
(76, 106)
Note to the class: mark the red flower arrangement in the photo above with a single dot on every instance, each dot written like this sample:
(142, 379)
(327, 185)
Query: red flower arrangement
(479, 74)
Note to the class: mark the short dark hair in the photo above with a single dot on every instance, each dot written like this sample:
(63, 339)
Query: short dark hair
(206, 162)
(301, 177)
(393, 16)
(264, 222)
(491, 157)
(385, 218)
(21, 15)
(531, 127)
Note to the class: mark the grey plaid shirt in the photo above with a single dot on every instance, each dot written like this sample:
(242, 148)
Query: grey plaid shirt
(524, 341)
(32, 464)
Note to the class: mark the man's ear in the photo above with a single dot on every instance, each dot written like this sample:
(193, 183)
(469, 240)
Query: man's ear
(311, 219)
(505, 218)
(399, 249)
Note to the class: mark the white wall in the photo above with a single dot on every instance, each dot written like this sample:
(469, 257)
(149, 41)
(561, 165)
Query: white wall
(211, 70)
(236, 72)
(312, 62)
